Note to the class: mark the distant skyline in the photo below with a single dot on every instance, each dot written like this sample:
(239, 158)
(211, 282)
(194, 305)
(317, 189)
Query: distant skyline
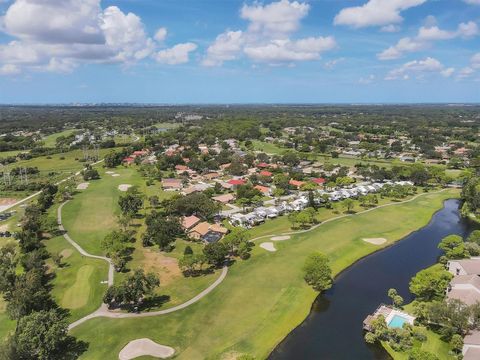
(229, 51)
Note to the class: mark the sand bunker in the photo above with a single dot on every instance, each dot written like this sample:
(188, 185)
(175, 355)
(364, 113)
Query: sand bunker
(83, 186)
(109, 172)
(376, 241)
(115, 175)
(268, 246)
(280, 238)
(145, 347)
(124, 187)
(66, 253)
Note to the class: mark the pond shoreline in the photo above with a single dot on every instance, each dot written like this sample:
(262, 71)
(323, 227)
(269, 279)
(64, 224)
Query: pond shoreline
(377, 352)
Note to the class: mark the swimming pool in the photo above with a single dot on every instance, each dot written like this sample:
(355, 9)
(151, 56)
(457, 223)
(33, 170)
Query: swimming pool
(397, 321)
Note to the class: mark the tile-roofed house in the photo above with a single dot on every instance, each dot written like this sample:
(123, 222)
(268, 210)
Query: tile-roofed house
(465, 266)
(211, 176)
(465, 288)
(199, 230)
(319, 181)
(181, 167)
(129, 160)
(171, 184)
(263, 165)
(224, 199)
(265, 173)
(263, 189)
(189, 222)
(208, 232)
(236, 182)
(296, 183)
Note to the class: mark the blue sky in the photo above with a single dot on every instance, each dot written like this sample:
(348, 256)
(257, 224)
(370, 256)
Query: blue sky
(228, 51)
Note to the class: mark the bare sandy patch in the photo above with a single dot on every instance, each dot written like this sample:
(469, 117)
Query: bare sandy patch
(280, 238)
(165, 267)
(124, 187)
(145, 347)
(4, 228)
(66, 253)
(376, 241)
(83, 186)
(268, 246)
(7, 201)
(109, 172)
(115, 175)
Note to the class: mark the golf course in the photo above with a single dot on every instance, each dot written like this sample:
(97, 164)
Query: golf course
(258, 303)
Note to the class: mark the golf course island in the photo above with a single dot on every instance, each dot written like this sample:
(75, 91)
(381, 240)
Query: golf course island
(180, 239)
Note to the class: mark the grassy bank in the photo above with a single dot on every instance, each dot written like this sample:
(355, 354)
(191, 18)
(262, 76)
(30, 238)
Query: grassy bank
(264, 298)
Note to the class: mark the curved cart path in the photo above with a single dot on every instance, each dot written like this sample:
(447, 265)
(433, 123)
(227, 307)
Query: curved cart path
(104, 312)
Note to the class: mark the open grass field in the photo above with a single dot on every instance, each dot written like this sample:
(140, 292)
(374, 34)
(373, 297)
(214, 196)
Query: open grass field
(50, 140)
(268, 148)
(6, 325)
(264, 298)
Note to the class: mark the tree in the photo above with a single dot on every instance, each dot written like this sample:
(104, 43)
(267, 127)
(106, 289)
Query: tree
(44, 335)
(133, 290)
(456, 343)
(430, 284)
(115, 246)
(216, 253)
(474, 237)
(453, 247)
(238, 239)
(397, 300)
(348, 205)
(293, 218)
(154, 201)
(161, 230)
(197, 204)
(188, 250)
(317, 271)
(90, 174)
(131, 202)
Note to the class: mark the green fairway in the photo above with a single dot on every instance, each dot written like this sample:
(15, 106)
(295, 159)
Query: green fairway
(77, 285)
(268, 148)
(264, 298)
(77, 295)
(50, 140)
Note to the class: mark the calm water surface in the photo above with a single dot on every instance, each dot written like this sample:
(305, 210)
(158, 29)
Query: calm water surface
(333, 330)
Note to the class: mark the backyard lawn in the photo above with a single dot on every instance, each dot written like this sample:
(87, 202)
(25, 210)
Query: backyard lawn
(264, 298)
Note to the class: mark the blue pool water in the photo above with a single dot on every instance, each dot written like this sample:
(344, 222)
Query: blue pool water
(397, 321)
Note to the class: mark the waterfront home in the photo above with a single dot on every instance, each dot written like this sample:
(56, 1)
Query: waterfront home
(394, 318)
(465, 266)
(465, 288)
(471, 346)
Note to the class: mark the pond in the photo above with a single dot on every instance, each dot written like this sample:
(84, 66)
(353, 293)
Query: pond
(333, 329)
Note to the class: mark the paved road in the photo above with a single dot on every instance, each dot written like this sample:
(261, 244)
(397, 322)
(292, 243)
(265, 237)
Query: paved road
(39, 192)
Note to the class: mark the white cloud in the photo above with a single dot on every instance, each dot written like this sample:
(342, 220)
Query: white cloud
(475, 60)
(472, 2)
(161, 34)
(332, 63)
(390, 28)
(226, 47)
(268, 37)
(59, 35)
(424, 38)
(465, 73)
(375, 13)
(9, 69)
(277, 18)
(178, 54)
(419, 68)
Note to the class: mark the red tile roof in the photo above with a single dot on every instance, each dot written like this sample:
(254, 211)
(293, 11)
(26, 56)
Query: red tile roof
(296, 183)
(236, 182)
(265, 173)
(319, 180)
(263, 165)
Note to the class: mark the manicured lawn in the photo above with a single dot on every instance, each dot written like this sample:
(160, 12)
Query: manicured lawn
(268, 148)
(50, 140)
(6, 325)
(264, 298)
(433, 344)
(77, 284)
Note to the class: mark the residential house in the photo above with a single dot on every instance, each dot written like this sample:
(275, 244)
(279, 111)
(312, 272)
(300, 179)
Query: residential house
(207, 232)
(471, 346)
(465, 288)
(465, 266)
(224, 199)
(188, 222)
(264, 190)
(170, 184)
(296, 183)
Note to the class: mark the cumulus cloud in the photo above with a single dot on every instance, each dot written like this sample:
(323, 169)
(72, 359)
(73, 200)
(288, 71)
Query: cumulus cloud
(268, 37)
(178, 54)
(59, 35)
(375, 13)
(472, 2)
(419, 68)
(424, 38)
(471, 69)
(475, 60)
